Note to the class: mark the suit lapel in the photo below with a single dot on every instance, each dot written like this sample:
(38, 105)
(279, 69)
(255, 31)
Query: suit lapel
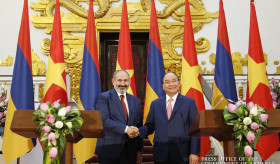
(163, 106)
(177, 105)
(118, 103)
(130, 107)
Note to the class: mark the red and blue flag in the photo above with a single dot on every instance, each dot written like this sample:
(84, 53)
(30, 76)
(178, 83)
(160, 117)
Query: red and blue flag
(90, 85)
(21, 97)
(155, 68)
(224, 87)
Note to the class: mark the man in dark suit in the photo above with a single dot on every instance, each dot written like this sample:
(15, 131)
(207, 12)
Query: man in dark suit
(170, 116)
(121, 114)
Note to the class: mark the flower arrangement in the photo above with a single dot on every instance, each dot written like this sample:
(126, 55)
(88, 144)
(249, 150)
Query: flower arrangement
(3, 108)
(275, 93)
(55, 122)
(248, 121)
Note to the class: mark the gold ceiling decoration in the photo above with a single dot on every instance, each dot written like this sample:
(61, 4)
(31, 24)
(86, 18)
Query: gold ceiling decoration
(8, 61)
(238, 62)
(108, 18)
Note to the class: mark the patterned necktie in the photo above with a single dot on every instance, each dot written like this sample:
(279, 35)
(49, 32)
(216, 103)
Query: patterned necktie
(124, 106)
(169, 108)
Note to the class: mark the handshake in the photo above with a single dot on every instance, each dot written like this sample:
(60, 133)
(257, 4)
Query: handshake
(132, 131)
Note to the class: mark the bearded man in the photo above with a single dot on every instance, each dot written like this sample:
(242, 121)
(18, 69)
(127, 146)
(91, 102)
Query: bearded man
(121, 114)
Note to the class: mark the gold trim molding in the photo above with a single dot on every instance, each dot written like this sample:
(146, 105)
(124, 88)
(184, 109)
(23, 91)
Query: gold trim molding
(8, 61)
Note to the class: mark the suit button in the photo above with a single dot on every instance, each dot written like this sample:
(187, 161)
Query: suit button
(168, 126)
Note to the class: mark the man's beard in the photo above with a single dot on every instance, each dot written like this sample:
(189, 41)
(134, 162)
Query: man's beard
(121, 91)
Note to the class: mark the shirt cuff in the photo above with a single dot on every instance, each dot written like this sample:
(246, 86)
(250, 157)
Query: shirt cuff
(125, 131)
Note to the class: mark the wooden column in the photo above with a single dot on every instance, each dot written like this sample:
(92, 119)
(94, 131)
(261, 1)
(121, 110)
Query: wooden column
(228, 150)
(69, 153)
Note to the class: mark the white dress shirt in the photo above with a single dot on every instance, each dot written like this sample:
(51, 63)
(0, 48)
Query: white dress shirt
(172, 102)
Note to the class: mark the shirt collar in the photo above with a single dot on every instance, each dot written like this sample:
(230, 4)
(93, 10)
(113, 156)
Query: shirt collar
(119, 94)
(174, 97)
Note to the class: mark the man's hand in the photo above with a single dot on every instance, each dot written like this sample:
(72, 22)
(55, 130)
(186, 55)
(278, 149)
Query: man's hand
(132, 132)
(193, 159)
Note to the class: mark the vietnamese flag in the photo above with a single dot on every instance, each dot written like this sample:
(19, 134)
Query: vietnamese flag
(124, 59)
(190, 77)
(55, 85)
(257, 84)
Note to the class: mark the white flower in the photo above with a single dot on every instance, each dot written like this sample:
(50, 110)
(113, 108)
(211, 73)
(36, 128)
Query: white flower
(62, 112)
(2, 103)
(3, 86)
(69, 124)
(59, 124)
(247, 121)
(43, 114)
(254, 111)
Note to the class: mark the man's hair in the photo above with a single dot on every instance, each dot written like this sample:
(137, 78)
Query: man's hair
(120, 70)
(168, 73)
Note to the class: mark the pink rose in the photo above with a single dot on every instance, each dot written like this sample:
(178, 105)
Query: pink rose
(68, 108)
(251, 105)
(1, 98)
(56, 104)
(232, 108)
(44, 106)
(274, 103)
(248, 151)
(255, 126)
(272, 80)
(0, 124)
(276, 83)
(50, 118)
(1, 114)
(3, 120)
(53, 152)
(239, 102)
(250, 137)
(46, 129)
(274, 96)
(263, 117)
(51, 137)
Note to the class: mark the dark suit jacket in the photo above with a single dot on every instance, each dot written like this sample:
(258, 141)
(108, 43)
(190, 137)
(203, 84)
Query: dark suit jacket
(171, 136)
(114, 123)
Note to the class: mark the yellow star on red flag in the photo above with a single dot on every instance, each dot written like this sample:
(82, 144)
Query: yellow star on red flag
(256, 75)
(55, 70)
